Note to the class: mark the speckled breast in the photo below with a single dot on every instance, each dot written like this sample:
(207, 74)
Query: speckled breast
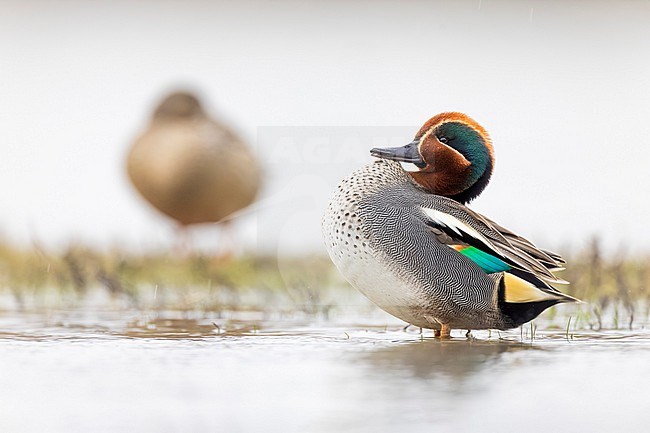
(347, 231)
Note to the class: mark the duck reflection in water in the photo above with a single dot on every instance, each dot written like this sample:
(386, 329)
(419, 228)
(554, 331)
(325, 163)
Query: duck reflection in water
(457, 359)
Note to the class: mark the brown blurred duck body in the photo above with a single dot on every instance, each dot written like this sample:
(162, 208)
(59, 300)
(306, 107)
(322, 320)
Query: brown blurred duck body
(190, 167)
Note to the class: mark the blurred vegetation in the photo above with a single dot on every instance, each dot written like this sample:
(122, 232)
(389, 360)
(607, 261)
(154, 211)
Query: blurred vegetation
(616, 289)
(34, 277)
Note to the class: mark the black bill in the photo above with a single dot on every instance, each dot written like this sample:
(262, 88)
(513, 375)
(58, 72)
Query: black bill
(408, 153)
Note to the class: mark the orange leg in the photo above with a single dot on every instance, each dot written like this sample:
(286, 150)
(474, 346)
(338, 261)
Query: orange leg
(183, 246)
(445, 331)
(227, 246)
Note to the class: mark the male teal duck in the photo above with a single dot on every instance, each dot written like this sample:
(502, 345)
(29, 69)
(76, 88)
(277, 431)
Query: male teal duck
(406, 240)
(191, 167)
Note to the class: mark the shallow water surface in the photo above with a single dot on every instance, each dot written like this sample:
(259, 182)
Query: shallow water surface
(117, 372)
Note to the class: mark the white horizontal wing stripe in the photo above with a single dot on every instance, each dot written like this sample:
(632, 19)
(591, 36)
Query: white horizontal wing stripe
(457, 226)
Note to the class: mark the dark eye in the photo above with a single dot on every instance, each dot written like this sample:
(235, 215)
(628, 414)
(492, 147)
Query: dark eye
(443, 139)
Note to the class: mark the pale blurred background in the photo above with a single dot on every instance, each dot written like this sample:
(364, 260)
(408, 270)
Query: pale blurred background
(104, 328)
(563, 87)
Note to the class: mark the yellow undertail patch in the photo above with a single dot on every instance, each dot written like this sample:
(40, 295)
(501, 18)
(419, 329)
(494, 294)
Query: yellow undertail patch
(518, 290)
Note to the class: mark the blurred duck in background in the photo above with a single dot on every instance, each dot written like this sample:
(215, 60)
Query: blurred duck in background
(191, 167)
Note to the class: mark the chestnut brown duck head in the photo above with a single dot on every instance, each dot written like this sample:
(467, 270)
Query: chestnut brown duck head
(453, 155)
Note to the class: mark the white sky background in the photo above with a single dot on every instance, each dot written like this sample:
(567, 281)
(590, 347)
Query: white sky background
(563, 88)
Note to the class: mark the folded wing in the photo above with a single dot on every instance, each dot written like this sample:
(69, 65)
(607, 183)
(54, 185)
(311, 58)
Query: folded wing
(527, 269)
